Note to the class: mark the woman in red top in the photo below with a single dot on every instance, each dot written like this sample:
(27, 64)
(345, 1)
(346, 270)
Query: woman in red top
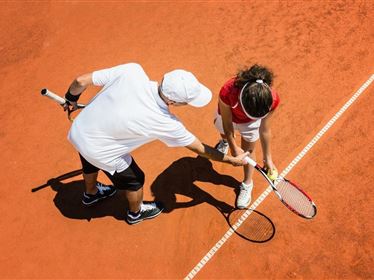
(246, 104)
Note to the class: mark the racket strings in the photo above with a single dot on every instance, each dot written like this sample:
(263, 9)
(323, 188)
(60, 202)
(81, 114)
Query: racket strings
(252, 226)
(295, 198)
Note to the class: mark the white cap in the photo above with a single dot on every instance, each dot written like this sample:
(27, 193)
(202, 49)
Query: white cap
(182, 86)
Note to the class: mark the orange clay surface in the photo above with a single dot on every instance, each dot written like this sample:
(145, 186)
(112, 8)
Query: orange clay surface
(321, 53)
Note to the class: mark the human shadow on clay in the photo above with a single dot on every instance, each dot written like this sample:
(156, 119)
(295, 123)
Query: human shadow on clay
(68, 200)
(179, 178)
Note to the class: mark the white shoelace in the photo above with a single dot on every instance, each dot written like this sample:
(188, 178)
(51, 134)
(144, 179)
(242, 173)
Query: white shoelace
(102, 188)
(143, 207)
(243, 194)
(245, 189)
(148, 206)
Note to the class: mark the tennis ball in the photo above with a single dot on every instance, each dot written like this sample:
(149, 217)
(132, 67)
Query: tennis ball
(273, 175)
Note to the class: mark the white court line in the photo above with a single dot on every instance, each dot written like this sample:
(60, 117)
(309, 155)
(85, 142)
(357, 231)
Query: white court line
(261, 198)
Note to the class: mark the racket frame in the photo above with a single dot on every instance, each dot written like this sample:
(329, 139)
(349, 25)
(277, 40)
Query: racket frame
(275, 190)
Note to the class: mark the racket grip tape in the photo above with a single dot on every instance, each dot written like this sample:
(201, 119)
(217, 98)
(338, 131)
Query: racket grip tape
(250, 161)
(53, 96)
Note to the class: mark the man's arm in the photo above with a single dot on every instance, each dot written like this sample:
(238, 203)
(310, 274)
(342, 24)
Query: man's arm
(76, 88)
(211, 153)
(80, 84)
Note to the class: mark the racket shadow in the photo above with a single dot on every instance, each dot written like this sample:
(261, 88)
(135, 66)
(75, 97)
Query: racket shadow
(59, 178)
(255, 226)
(179, 178)
(68, 200)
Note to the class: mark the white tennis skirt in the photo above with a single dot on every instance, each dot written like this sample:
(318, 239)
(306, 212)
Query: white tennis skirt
(249, 131)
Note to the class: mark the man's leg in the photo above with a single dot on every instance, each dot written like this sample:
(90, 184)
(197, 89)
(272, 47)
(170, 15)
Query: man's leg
(94, 191)
(90, 182)
(131, 180)
(135, 198)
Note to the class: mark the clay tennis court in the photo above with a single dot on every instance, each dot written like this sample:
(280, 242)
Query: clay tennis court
(321, 53)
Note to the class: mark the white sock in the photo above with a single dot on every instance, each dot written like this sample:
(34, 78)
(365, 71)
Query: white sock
(248, 186)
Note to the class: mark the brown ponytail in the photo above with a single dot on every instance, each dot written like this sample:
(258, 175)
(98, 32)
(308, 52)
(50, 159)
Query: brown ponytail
(252, 74)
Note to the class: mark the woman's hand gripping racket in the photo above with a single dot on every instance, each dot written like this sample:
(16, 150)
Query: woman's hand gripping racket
(63, 102)
(289, 193)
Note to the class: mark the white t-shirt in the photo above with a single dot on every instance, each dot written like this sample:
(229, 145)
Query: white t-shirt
(126, 114)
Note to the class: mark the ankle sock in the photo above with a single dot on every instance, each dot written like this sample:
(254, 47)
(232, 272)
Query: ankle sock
(249, 185)
(134, 214)
(90, 195)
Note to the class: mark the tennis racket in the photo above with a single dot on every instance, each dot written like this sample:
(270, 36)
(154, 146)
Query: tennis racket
(62, 101)
(251, 225)
(291, 195)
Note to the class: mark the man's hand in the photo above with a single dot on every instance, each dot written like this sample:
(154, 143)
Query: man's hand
(70, 106)
(211, 153)
(236, 151)
(239, 160)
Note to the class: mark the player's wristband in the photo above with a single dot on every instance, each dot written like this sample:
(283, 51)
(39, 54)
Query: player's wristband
(71, 98)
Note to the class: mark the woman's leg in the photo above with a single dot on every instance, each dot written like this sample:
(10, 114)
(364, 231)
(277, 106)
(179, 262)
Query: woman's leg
(248, 169)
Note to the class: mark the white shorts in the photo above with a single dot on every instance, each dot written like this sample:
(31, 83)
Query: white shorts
(249, 131)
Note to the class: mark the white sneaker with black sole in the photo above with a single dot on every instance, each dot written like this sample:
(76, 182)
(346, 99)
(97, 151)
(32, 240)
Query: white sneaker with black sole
(103, 191)
(222, 146)
(148, 210)
(245, 195)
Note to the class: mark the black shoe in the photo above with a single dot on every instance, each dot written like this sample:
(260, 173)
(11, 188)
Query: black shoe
(103, 191)
(148, 210)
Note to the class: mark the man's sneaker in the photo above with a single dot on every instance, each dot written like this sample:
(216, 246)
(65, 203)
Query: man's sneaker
(245, 195)
(103, 191)
(222, 146)
(148, 210)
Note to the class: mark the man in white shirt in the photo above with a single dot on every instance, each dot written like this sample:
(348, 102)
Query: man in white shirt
(128, 112)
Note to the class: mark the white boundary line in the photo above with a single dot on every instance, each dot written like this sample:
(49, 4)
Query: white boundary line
(261, 198)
